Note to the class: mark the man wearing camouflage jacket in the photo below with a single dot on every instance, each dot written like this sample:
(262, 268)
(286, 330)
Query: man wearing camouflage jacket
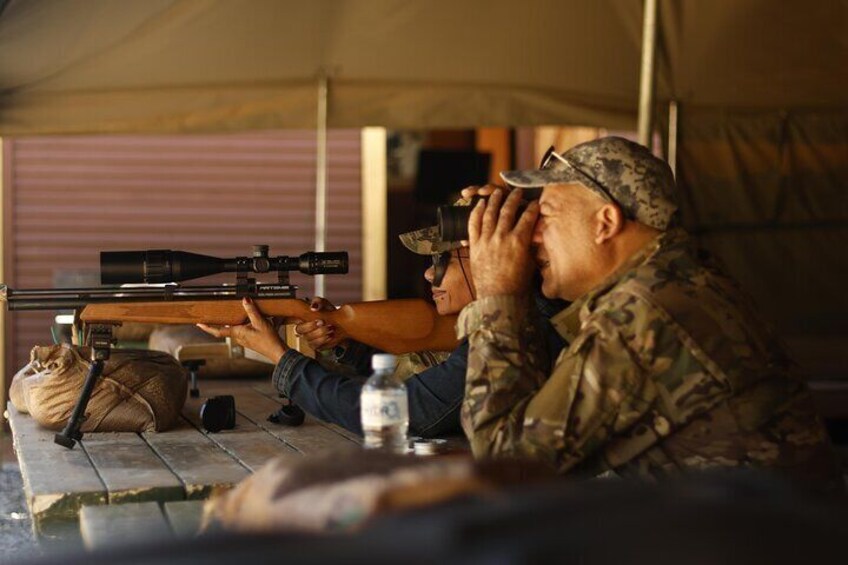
(669, 367)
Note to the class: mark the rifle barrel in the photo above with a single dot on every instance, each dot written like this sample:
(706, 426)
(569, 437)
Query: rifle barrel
(65, 298)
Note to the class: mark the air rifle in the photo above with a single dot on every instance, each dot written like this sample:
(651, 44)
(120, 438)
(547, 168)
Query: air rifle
(396, 326)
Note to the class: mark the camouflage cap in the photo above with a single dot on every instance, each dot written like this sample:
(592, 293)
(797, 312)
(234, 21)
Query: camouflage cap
(618, 170)
(428, 241)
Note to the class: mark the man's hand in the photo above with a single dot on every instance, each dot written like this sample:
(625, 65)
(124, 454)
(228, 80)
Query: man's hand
(319, 333)
(500, 246)
(259, 334)
(485, 190)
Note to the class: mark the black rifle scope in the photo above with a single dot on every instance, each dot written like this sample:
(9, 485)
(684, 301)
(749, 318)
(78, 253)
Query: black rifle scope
(164, 265)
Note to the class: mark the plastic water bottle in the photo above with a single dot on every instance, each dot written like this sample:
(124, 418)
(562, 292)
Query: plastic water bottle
(384, 407)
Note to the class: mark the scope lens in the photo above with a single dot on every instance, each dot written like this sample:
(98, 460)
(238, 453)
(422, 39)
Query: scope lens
(323, 263)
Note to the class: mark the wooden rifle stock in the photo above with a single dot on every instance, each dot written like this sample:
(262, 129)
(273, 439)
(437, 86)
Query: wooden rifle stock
(395, 326)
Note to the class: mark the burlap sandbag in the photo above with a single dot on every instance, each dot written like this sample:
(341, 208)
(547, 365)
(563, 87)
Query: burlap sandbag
(140, 391)
(168, 338)
(341, 491)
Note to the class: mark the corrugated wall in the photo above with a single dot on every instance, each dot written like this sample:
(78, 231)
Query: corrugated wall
(71, 197)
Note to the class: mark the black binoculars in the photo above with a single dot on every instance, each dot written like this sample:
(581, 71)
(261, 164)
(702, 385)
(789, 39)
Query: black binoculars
(453, 220)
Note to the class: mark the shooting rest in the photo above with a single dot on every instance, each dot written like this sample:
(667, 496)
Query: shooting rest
(162, 266)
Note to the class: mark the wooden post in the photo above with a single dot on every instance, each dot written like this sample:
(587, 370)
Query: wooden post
(374, 210)
(495, 141)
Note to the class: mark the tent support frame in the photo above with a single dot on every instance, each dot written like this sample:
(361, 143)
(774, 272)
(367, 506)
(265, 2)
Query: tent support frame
(671, 154)
(321, 176)
(648, 78)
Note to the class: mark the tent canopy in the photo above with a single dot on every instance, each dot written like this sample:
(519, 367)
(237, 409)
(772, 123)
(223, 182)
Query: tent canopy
(203, 65)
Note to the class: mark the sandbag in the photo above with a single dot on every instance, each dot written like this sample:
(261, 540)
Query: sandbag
(168, 338)
(139, 391)
(341, 491)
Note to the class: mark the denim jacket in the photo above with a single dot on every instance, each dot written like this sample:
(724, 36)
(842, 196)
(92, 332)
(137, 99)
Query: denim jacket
(435, 394)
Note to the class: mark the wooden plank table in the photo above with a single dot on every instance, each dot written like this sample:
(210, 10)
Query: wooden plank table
(150, 472)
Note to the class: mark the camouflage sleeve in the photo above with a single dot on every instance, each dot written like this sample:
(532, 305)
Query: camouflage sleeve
(507, 364)
(597, 389)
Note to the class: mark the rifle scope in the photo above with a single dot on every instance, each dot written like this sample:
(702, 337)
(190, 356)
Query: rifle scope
(164, 265)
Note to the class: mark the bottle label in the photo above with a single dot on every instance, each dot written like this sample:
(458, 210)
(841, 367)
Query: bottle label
(384, 408)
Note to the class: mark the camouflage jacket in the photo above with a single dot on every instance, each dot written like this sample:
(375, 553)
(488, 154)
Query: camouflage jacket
(668, 368)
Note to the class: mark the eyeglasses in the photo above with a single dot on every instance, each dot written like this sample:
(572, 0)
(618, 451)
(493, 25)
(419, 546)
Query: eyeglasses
(551, 154)
(440, 265)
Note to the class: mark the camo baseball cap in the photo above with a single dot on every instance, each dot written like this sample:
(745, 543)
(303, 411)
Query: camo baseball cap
(428, 241)
(618, 170)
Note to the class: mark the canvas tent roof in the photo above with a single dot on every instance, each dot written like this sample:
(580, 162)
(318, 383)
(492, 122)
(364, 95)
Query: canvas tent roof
(201, 65)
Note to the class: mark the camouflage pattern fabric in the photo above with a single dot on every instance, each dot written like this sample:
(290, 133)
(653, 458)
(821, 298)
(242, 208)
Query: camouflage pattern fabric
(669, 369)
(410, 364)
(618, 170)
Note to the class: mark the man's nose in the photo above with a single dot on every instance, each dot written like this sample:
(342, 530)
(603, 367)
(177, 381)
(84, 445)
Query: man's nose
(429, 274)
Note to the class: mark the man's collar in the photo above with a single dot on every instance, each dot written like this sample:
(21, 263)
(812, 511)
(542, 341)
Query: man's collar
(567, 323)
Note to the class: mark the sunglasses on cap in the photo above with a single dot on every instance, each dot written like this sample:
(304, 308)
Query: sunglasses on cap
(440, 265)
(551, 156)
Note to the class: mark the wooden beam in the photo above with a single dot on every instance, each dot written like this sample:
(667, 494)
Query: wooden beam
(119, 524)
(498, 143)
(57, 481)
(374, 220)
(130, 470)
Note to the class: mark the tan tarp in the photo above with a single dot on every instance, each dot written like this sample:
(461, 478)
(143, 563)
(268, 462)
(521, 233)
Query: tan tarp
(767, 193)
(759, 82)
(202, 65)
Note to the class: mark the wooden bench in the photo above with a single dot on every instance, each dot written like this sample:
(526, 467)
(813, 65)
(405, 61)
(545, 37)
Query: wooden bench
(138, 522)
(185, 463)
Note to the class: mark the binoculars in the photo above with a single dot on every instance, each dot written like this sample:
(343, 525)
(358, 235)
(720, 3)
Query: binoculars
(453, 220)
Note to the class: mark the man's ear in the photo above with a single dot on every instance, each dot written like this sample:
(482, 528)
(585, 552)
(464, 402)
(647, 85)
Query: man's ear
(609, 223)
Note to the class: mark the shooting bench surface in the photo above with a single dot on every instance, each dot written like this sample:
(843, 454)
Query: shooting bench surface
(122, 485)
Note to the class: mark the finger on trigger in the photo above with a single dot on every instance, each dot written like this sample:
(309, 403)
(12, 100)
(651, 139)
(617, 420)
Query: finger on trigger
(252, 312)
(208, 329)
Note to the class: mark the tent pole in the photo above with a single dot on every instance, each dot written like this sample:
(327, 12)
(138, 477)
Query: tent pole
(672, 136)
(647, 78)
(321, 177)
(4, 203)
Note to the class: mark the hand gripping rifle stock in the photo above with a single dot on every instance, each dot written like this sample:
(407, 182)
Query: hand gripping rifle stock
(395, 326)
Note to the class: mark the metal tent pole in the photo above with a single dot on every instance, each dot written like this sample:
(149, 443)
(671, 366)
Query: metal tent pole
(672, 136)
(647, 78)
(321, 177)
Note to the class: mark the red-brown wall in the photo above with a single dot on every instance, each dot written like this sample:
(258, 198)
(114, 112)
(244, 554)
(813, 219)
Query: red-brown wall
(68, 198)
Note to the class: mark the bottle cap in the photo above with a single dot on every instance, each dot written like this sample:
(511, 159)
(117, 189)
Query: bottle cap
(383, 361)
(428, 446)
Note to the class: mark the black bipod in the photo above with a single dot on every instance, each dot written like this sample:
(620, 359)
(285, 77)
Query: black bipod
(100, 339)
